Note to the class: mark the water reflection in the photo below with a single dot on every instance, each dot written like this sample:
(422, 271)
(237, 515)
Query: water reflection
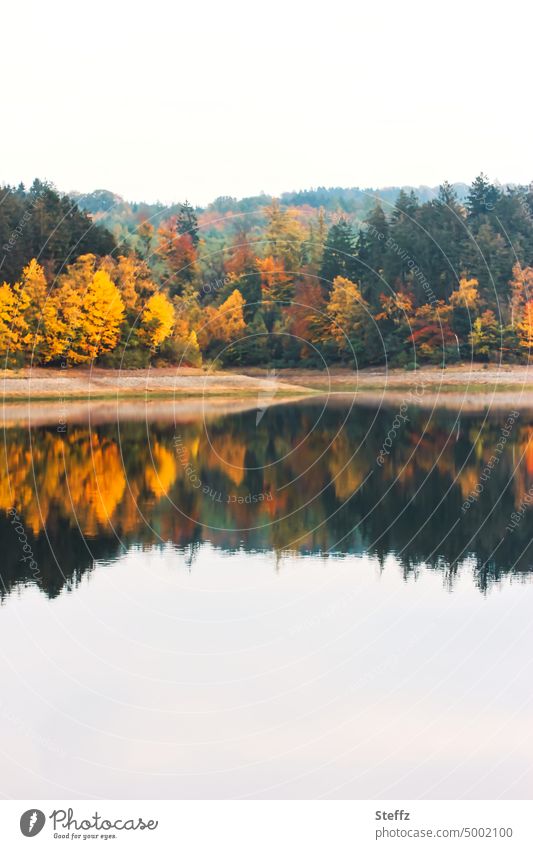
(305, 478)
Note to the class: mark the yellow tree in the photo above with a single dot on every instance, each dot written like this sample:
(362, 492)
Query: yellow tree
(134, 280)
(102, 315)
(222, 324)
(13, 327)
(80, 273)
(467, 296)
(188, 313)
(35, 287)
(395, 308)
(485, 337)
(521, 287)
(229, 319)
(158, 319)
(64, 313)
(64, 321)
(145, 235)
(464, 304)
(284, 236)
(57, 329)
(524, 326)
(193, 354)
(188, 317)
(347, 311)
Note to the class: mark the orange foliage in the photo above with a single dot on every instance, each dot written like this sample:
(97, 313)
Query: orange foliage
(276, 284)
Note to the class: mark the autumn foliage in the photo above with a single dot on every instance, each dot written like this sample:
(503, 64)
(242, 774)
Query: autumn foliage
(294, 285)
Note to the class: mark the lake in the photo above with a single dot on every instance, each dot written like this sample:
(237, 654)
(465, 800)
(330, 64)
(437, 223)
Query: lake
(313, 599)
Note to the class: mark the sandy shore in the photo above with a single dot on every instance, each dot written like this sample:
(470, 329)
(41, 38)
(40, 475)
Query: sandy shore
(476, 377)
(470, 387)
(61, 384)
(474, 388)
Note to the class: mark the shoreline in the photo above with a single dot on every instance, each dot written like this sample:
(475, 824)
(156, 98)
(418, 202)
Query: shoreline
(101, 384)
(472, 387)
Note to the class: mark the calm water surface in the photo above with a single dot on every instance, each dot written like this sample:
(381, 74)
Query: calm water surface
(306, 600)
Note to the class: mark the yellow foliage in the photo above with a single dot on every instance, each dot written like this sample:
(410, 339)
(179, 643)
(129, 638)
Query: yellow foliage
(134, 280)
(229, 455)
(467, 295)
(228, 322)
(161, 475)
(13, 326)
(64, 323)
(126, 281)
(80, 273)
(105, 482)
(55, 330)
(284, 236)
(396, 308)
(525, 326)
(225, 323)
(33, 288)
(158, 319)
(346, 308)
(102, 311)
(521, 288)
(276, 284)
(192, 354)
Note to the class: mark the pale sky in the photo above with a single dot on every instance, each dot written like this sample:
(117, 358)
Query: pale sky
(178, 100)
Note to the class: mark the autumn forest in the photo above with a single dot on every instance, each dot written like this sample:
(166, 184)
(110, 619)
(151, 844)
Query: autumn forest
(311, 279)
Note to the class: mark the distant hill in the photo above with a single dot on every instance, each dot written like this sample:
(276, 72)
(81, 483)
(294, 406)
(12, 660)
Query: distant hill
(334, 199)
(98, 201)
(122, 217)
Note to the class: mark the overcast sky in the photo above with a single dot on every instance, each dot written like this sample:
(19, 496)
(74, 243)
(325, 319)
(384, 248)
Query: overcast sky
(192, 100)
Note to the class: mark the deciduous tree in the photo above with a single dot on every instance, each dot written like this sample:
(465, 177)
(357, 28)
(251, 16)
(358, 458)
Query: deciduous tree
(158, 319)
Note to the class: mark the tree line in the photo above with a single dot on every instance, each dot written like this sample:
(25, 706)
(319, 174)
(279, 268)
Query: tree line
(418, 281)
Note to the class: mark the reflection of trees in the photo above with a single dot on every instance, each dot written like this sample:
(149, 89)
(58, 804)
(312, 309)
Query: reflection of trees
(321, 489)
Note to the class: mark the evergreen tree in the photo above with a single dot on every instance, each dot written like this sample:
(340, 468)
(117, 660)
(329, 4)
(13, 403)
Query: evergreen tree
(339, 258)
(372, 251)
(482, 197)
(404, 233)
(187, 222)
(443, 220)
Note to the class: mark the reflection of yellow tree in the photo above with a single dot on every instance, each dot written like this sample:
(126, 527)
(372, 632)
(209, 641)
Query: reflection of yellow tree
(228, 456)
(14, 484)
(467, 480)
(81, 473)
(79, 477)
(107, 481)
(48, 460)
(162, 473)
(523, 473)
(348, 472)
(95, 479)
